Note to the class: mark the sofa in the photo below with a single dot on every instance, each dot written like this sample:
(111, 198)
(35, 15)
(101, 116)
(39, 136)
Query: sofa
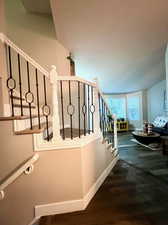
(160, 125)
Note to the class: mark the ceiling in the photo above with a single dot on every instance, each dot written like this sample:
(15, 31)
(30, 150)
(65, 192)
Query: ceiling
(121, 42)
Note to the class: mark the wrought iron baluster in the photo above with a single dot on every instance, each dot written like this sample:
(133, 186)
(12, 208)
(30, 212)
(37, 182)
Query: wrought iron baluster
(105, 119)
(62, 110)
(92, 109)
(46, 108)
(29, 95)
(84, 109)
(20, 85)
(11, 83)
(70, 112)
(100, 116)
(103, 115)
(88, 109)
(79, 109)
(38, 101)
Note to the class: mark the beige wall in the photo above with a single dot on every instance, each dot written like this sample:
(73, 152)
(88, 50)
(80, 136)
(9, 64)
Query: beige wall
(58, 176)
(2, 20)
(35, 34)
(95, 159)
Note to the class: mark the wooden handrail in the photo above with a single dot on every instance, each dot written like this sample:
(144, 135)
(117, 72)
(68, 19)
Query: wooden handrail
(27, 168)
(6, 40)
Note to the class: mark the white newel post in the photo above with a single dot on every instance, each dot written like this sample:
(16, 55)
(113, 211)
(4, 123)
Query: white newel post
(4, 95)
(55, 118)
(115, 132)
(96, 114)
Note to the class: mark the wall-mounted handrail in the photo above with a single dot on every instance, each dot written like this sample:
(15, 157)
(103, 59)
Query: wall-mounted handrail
(26, 168)
(6, 40)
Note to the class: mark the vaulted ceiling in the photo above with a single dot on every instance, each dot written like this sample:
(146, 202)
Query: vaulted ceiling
(121, 42)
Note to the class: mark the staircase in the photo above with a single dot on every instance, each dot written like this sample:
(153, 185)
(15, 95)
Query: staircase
(61, 112)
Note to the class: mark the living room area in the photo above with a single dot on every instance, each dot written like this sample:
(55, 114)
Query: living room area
(142, 113)
(143, 142)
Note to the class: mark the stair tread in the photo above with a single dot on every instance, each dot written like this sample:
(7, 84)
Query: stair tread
(24, 106)
(18, 98)
(35, 129)
(6, 118)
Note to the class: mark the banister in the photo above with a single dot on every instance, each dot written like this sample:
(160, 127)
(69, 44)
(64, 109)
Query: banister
(26, 168)
(76, 78)
(104, 100)
(6, 40)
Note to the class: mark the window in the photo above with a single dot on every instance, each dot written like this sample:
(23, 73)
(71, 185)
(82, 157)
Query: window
(118, 106)
(133, 104)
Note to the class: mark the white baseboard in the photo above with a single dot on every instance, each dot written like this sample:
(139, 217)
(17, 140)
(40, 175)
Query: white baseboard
(74, 205)
(88, 197)
(59, 208)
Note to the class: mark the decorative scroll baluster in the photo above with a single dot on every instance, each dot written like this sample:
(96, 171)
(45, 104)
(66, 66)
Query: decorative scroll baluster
(88, 104)
(29, 96)
(79, 109)
(11, 83)
(92, 109)
(84, 109)
(46, 108)
(70, 106)
(38, 102)
(20, 85)
(62, 110)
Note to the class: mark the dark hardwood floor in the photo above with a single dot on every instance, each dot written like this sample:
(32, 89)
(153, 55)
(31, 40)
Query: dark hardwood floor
(130, 195)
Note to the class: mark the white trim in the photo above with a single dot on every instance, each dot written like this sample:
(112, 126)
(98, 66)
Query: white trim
(41, 145)
(109, 146)
(98, 183)
(59, 208)
(35, 221)
(74, 205)
(6, 110)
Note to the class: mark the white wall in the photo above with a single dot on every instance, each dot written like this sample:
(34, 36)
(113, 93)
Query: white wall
(155, 97)
(166, 65)
(35, 34)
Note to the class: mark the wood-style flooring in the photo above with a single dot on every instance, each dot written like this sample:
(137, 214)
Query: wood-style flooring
(130, 195)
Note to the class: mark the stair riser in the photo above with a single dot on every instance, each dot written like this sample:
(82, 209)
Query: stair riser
(24, 124)
(26, 111)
